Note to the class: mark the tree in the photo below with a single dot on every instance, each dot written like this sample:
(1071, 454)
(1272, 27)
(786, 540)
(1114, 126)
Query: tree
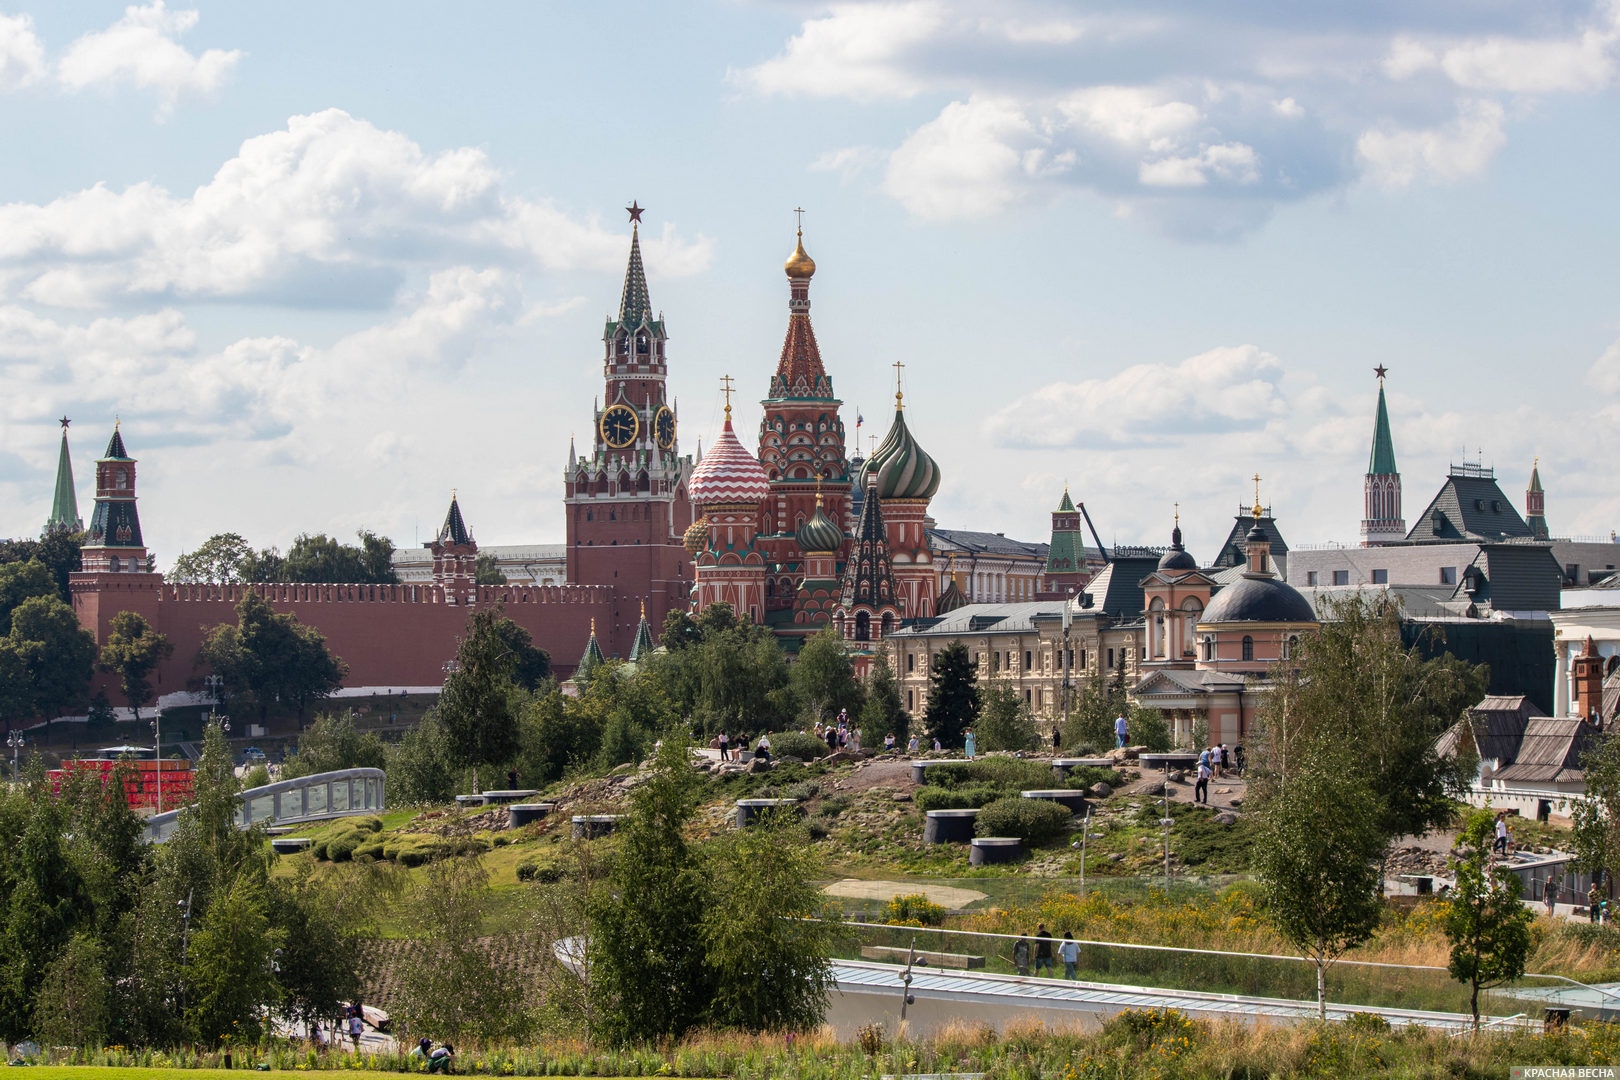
(59, 551)
(679, 631)
(953, 694)
(646, 962)
(332, 742)
(531, 665)
(1091, 718)
(475, 706)
(21, 581)
(319, 558)
(133, 651)
(772, 969)
(1005, 722)
(823, 678)
(71, 1006)
(487, 571)
(1597, 817)
(883, 714)
(1487, 925)
(42, 898)
(222, 559)
(229, 978)
(417, 771)
(456, 986)
(58, 654)
(272, 658)
(319, 919)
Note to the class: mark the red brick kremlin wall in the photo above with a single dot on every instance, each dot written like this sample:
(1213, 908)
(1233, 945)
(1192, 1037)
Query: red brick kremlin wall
(389, 635)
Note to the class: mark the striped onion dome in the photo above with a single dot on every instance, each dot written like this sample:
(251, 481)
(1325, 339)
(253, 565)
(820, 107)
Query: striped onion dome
(728, 473)
(820, 533)
(902, 468)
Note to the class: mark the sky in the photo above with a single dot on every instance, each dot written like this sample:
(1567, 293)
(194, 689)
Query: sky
(328, 262)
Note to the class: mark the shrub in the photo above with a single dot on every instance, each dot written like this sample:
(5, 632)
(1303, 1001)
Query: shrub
(1034, 821)
(804, 790)
(798, 744)
(1366, 1023)
(970, 797)
(1006, 773)
(914, 909)
(532, 869)
(834, 805)
(1084, 776)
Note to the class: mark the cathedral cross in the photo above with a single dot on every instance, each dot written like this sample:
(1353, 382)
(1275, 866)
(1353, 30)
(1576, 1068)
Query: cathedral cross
(799, 210)
(898, 396)
(725, 386)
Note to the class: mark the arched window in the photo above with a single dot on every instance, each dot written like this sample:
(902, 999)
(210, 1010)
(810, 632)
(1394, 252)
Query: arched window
(888, 624)
(863, 626)
(1248, 647)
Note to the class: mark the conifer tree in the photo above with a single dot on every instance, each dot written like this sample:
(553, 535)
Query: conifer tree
(883, 712)
(953, 694)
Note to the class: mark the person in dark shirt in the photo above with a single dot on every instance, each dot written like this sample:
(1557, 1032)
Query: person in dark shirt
(1043, 950)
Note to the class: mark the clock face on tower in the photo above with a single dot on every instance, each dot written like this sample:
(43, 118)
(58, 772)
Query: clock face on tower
(620, 425)
(664, 427)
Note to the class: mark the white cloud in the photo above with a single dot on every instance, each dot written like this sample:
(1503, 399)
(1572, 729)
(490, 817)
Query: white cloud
(848, 161)
(1604, 373)
(22, 57)
(1191, 116)
(1395, 157)
(331, 210)
(142, 49)
(1231, 388)
(852, 52)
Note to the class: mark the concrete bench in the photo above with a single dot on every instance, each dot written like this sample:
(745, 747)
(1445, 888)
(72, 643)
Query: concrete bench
(988, 850)
(469, 800)
(520, 814)
(949, 826)
(592, 826)
(919, 770)
(749, 810)
(290, 845)
(501, 798)
(1068, 798)
(960, 961)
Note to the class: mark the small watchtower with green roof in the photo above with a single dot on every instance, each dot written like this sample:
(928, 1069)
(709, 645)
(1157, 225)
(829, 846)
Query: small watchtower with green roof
(1381, 520)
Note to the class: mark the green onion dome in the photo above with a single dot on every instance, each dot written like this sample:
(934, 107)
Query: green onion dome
(902, 468)
(820, 533)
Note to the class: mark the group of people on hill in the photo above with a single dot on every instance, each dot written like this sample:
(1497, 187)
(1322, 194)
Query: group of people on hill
(841, 735)
(1041, 951)
(1216, 761)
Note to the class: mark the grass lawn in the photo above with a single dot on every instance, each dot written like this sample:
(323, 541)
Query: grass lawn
(119, 1072)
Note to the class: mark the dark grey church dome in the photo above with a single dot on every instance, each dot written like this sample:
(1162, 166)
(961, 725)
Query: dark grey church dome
(1259, 599)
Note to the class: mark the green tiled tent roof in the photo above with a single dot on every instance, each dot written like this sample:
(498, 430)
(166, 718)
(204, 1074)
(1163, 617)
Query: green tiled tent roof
(65, 505)
(1382, 461)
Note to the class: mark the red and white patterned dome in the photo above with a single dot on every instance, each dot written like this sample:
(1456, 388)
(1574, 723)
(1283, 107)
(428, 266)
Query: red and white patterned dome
(728, 473)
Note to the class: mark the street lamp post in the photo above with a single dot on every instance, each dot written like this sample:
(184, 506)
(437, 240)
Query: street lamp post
(15, 740)
(157, 754)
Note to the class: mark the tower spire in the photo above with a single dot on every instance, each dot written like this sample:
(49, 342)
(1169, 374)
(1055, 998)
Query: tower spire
(634, 305)
(65, 504)
(1535, 503)
(1381, 520)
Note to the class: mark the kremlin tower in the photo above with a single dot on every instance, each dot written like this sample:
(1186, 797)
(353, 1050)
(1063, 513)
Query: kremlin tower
(626, 499)
(1381, 520)
(1535, 503)
(65, 505)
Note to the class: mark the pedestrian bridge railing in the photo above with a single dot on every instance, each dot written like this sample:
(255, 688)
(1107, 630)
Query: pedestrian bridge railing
(317, 797)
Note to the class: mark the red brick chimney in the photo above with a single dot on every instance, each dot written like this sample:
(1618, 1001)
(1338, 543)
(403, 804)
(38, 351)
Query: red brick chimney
(1588, 676)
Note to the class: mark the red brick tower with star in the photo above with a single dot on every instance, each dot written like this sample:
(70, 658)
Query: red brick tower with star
(626, 498)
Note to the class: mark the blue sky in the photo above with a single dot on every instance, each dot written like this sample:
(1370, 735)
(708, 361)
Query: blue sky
(329, 261)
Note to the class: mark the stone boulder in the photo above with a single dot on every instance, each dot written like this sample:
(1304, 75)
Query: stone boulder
(1226, 817)
(1100, 790)
(759, 765)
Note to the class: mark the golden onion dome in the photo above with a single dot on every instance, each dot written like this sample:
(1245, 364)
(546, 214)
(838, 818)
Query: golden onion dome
(800, 265)
(697, 536)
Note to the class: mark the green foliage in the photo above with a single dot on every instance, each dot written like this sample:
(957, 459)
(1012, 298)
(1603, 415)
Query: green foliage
(333, 742)
(319, 558)
(132, 651)
(914, 909)
(953, 695)
(1489, 929)
(1149, 728)
(644, 957)
(222, 559)
(1006, 773)
(770, 970)
(1314, 850)
(58, 551)
(228, 977)
(321, 921)
(722, 674)
(456, 986)
(797, 744)
(419, 767)
(1034, 821)
(553, 738)
(21, 581)
(1005, 722)
(966, 797)
(883, 713)
(618, 715)
(54, 653)
(487, 571)
(272, 659)
(823, 678)
(1596, 836)
(44, 896)
(475, 707)
(71, 1007)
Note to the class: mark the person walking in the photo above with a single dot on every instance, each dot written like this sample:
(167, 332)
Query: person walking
(1057, 738)
(1120, 730)
(725, 747)
(832, 739)
(1069, 952)
(1501, 835)
(1021, 954)
(1043, 949)
(1201, 788)
(969, 744)
(357, 1026)
(913, 745)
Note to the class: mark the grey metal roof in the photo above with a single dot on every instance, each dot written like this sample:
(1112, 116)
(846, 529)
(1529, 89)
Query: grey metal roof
(1518, 577)
(1117, 588)
(984, 618)
(988, 543)
(1550, 750)
(1235, 551)
(1497, 726)
(1468, 506)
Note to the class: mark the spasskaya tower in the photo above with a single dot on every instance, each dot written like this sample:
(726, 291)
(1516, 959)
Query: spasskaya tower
(626, 498)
